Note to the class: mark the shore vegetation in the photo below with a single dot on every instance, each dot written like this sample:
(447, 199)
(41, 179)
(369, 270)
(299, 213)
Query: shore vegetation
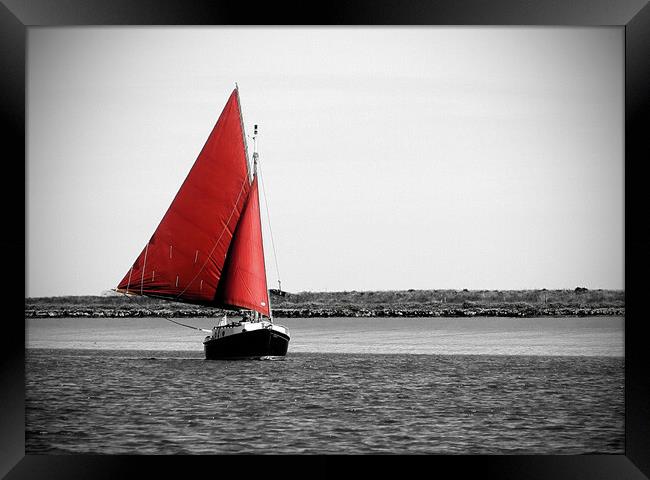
(579, 301)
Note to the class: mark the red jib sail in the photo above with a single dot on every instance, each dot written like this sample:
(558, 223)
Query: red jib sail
(243, 283)
(184, 258)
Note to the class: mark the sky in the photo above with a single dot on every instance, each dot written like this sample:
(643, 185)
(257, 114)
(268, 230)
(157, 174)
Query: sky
(391, 158)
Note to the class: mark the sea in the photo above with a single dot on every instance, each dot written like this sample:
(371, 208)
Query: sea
(480, 385)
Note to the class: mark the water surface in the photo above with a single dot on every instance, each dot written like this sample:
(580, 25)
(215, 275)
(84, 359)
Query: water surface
(421, 386)
(592, 336)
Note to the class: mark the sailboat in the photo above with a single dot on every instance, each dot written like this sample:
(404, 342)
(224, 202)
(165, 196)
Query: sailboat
(208, 248)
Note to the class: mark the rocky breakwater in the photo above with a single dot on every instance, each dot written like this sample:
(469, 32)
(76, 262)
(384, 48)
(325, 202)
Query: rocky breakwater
(451, 311)
(329, 312)
(121, 312)
(352, 304)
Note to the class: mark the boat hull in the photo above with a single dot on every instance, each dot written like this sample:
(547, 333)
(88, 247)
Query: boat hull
(263, 342)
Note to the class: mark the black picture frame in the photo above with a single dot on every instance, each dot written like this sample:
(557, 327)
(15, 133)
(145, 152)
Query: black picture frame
(16, 16)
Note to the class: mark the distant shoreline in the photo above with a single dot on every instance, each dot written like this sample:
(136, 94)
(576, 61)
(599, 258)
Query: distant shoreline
(332, 313)
(579, 302)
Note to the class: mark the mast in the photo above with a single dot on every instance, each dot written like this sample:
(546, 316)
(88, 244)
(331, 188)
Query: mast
(251, 171)
(255, 158)
(243, 278)
(256, 315)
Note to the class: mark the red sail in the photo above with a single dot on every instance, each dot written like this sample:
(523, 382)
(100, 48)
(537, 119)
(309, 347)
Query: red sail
(244, 279)
(184, 258)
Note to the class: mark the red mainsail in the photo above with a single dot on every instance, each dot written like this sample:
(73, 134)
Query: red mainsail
(184, 259)
(243, 283)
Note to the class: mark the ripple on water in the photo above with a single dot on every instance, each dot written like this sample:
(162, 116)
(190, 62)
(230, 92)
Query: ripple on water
(172, 402)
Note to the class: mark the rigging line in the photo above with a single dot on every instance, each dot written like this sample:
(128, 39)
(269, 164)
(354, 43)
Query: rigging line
(243, 131)
(164, 317)
(266, 204)
(188, 326)
(218, 240)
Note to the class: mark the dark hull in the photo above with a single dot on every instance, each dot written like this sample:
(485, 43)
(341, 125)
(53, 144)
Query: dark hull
(254, 344)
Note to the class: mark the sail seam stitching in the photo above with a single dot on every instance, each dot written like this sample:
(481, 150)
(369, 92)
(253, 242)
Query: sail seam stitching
(218, 240)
